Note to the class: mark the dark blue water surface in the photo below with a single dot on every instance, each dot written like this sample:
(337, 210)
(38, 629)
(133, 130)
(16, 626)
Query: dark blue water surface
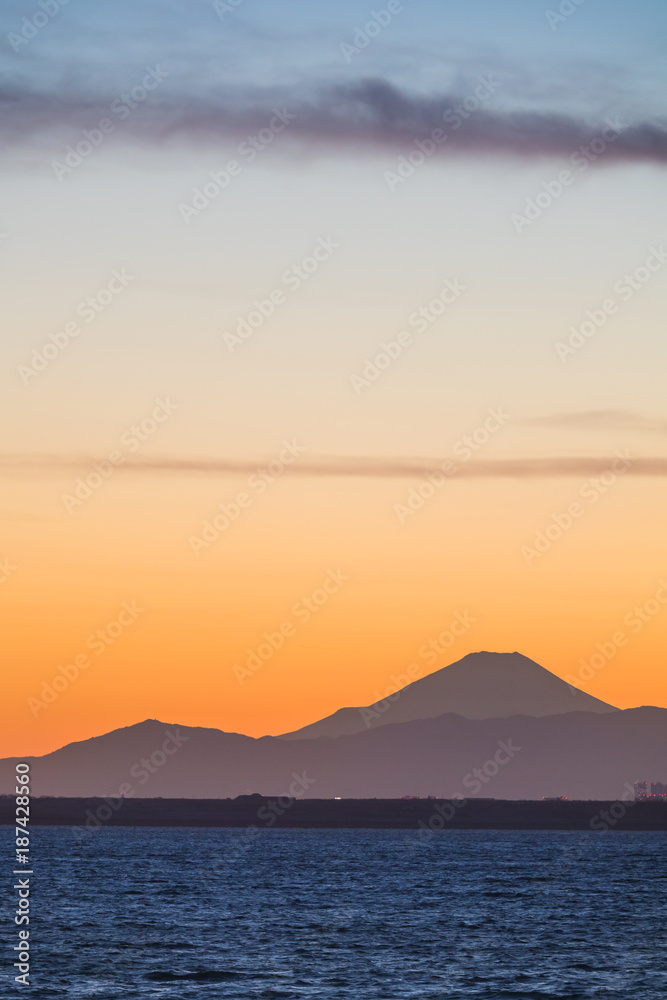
(175, 913)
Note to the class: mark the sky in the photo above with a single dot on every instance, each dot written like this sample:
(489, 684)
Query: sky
(332, 345)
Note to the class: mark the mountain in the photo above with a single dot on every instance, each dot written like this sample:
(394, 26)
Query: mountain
(585, 755)
(480, 686)
(492, 724)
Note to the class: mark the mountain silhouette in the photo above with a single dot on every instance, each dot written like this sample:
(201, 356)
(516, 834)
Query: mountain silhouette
(584, 755)
(480, 686)
(491, 725)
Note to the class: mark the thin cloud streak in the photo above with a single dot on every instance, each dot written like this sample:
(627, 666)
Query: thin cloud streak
(606, 420)
(369, 468)
(598, 420)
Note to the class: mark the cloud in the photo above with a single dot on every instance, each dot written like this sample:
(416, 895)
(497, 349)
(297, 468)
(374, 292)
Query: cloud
(371, 113)
(359, 467)
(599, 420)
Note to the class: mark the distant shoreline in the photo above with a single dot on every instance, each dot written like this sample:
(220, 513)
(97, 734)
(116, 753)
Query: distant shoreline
(272, 812)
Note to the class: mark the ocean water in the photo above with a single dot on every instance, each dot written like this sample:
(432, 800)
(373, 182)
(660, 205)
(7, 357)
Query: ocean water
(169, 913)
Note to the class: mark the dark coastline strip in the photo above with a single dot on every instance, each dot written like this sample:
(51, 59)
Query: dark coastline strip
(399, 814)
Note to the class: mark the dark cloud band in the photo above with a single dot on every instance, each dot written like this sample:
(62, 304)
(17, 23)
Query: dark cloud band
(370, 113)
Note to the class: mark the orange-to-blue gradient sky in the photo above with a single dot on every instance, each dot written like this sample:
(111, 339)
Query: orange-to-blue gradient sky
(347, 248)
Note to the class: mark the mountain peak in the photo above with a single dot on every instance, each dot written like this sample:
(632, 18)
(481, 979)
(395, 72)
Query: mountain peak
(481, 685)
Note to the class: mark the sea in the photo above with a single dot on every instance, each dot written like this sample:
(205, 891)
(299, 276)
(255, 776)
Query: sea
(138, 913)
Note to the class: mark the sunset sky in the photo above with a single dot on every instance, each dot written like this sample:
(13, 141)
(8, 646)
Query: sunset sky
(516, 280)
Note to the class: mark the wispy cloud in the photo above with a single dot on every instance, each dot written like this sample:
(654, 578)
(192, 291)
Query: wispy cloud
(371, 468)
(371, 113)
(599, 420)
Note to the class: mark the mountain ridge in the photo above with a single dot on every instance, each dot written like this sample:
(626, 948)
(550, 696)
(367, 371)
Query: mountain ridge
(579, 755)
